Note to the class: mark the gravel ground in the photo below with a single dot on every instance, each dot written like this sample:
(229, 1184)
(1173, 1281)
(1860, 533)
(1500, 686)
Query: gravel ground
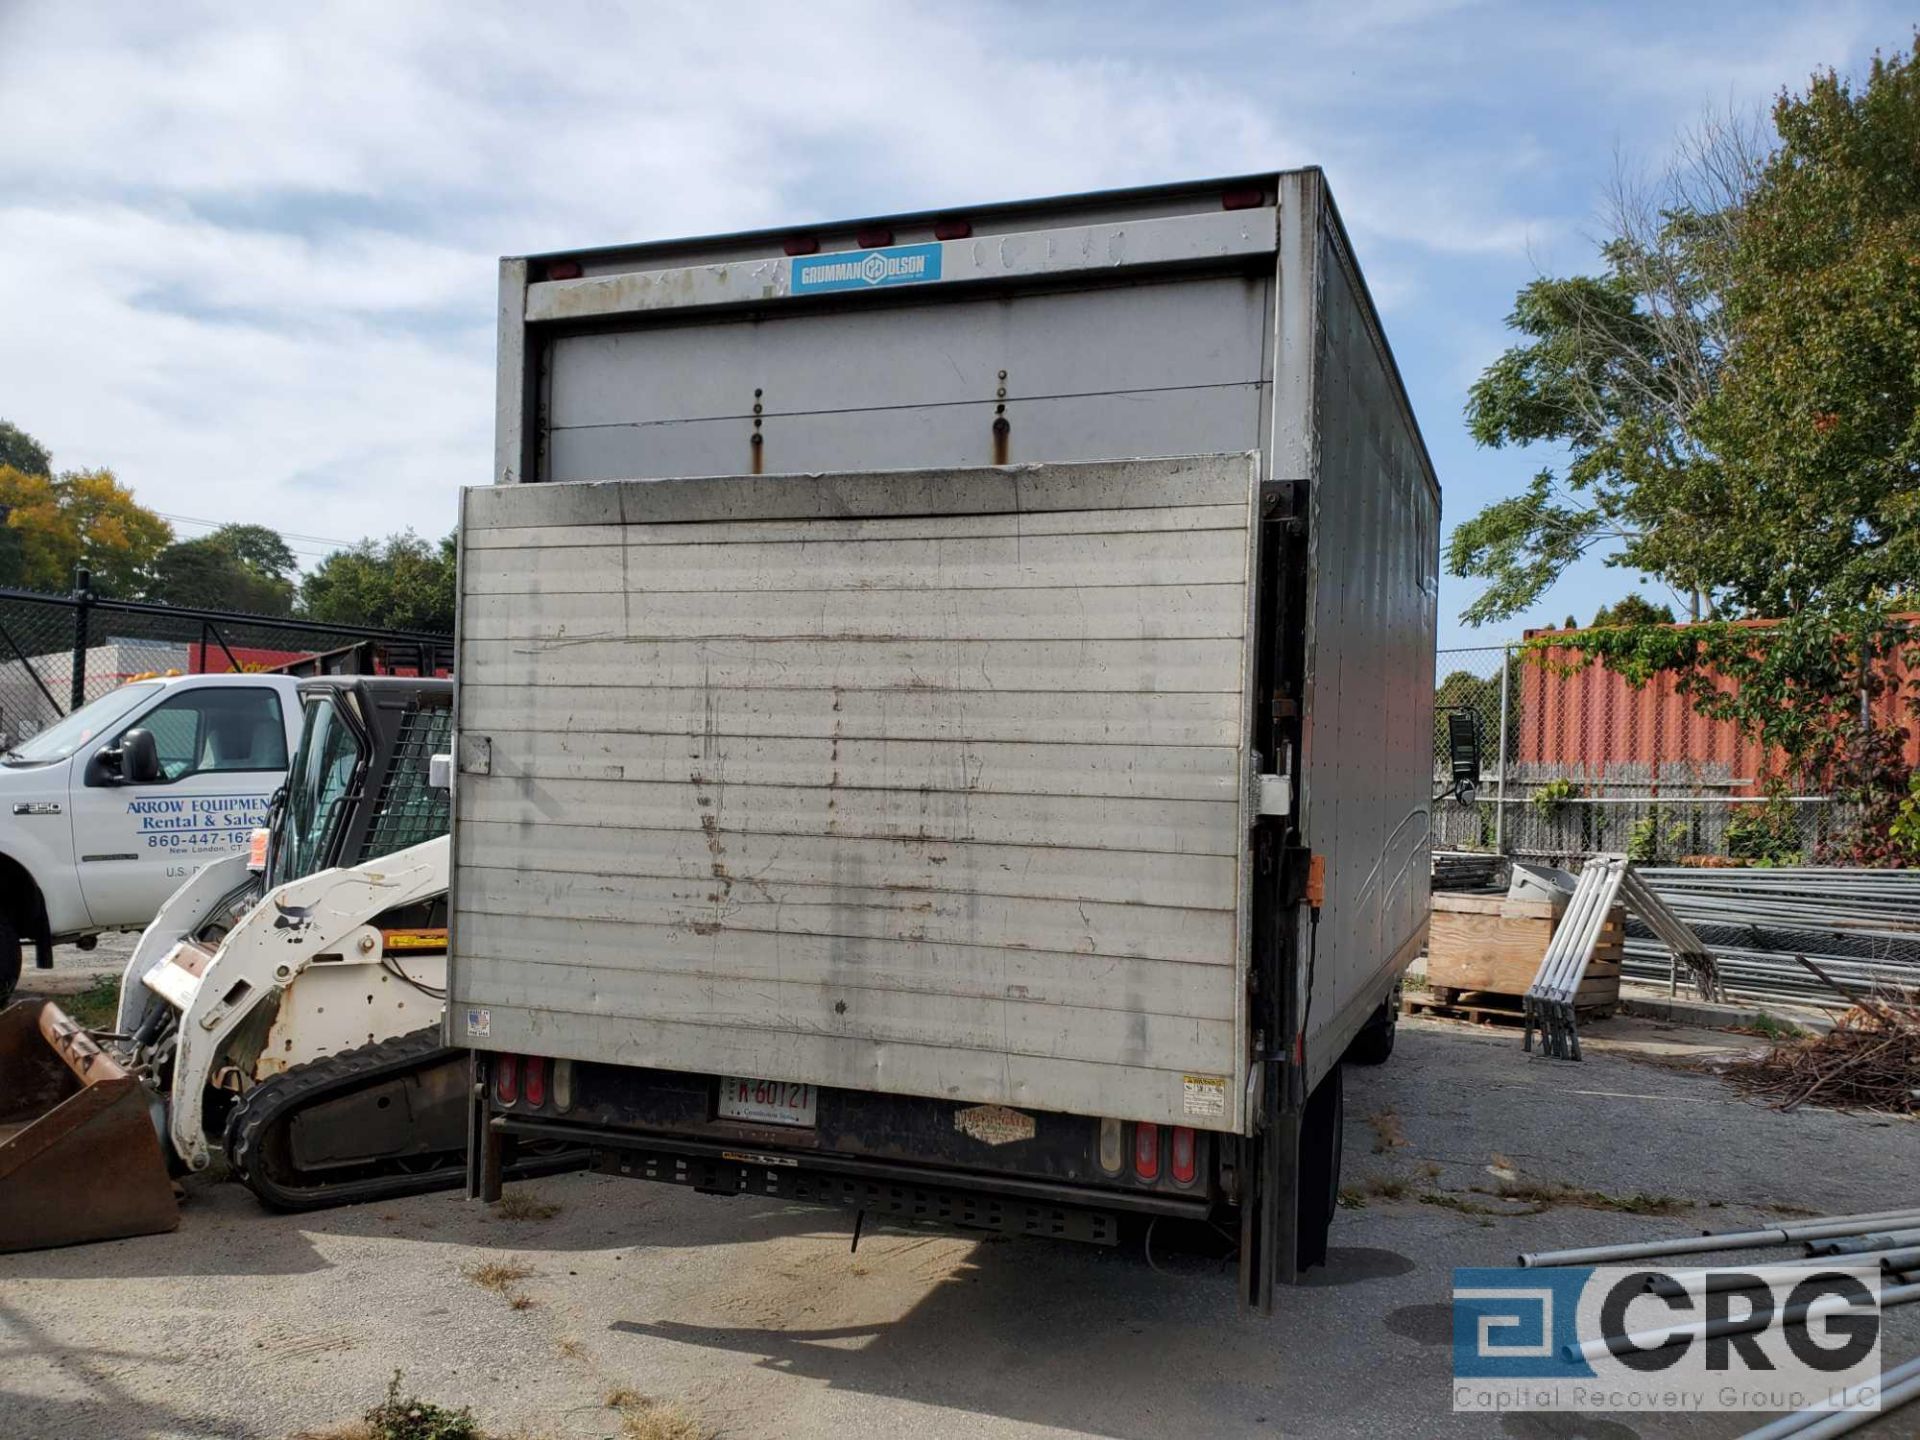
(757, 1318)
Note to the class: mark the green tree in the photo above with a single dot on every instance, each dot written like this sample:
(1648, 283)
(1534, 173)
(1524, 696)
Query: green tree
(24, 453)
(82, 517)
(1738, 390)
(1633, 609)
(237, 567)
(1817, 417)
(402, 583)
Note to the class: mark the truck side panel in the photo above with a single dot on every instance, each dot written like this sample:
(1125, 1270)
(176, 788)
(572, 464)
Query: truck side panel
(1368, 741)
(868, 787)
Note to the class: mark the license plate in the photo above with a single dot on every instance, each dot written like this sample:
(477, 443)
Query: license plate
(767, 1102)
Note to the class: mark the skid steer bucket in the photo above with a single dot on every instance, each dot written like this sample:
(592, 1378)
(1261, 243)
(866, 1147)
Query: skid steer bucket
(79, 1157)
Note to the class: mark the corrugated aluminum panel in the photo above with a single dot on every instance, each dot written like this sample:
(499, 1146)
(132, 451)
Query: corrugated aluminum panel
(930, 783)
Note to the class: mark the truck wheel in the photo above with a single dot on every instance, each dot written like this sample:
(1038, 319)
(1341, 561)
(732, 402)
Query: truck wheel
(9, 957)
(1374, 1044)
(1322, 1135)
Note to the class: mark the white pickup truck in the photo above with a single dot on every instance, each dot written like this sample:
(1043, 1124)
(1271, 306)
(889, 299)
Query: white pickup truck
(106, 812)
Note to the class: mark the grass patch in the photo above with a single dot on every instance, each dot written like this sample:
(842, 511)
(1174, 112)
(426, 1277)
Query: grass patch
(1546, 1195)
(1461, 1205)
(1771, 1027)
(403, 1417)
(497, 1276)
(524, 1205)
(1388, 1132)
(644, 1418)
(97, 1006)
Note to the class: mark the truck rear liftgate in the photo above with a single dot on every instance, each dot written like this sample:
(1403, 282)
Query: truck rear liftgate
(933, 783)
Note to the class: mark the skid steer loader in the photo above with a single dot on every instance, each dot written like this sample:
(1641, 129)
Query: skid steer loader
(283, 1007)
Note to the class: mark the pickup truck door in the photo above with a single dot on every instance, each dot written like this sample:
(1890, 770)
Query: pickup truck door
(223, 752)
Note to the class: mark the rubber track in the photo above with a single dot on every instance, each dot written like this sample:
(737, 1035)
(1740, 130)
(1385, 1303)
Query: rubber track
(274, 1102)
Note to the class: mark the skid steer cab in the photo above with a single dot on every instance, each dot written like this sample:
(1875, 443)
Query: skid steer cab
(284, 1006)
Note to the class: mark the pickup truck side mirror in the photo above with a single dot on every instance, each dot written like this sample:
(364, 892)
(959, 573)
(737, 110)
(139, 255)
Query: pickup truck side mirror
(139, 758)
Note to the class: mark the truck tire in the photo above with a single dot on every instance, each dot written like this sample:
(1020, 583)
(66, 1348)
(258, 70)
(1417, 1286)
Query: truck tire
(9, 957)
(1374, 1044)
(1322, 1139)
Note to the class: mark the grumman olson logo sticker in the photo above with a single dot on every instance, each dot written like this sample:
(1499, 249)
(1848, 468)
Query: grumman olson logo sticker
(850, 270)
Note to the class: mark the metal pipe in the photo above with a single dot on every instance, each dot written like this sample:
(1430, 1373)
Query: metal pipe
(1855, 1244)
(1745, 1277)
(1886, 1385)
(1722, 1240)
(1660, 1336)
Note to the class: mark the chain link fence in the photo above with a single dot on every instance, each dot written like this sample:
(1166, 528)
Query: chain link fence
(1576, 762)
(57, 652)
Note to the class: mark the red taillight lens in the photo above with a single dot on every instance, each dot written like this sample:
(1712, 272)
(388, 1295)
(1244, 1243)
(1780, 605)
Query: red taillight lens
(1180, 1156)
(952, 229)
(1146, 1151)
(873, 238)
(564, 270)
(533, 1080)
(506, 1079)
(1242, 200)
(803, 245)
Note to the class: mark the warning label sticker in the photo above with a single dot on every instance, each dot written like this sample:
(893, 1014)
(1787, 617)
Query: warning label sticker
(1206, 1095)
(480, 1022)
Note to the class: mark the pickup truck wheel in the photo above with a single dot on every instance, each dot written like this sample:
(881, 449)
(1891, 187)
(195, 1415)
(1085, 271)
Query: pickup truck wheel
(1374, 1044)
(1322, 1135)
(9, 957)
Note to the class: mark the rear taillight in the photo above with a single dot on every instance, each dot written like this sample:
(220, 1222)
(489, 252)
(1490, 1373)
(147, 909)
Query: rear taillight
(533, 1080)
(1113, 1143)
(1242, 199)
(952, 229)
(1180, 1156)
(506, 1079)
(1146, 1151)
(802, 245)
(563, 270)
(873, 237)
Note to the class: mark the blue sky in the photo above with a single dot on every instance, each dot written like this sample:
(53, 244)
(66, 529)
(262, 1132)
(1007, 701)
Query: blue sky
(247, 251)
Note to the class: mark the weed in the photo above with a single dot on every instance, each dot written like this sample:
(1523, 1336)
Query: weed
(497, 1275)
(662, 1420)
(1386, 1187)
(1428, 1170)
(1388, 1132)
(524, 1205)
(411, 1418)
(1447, 1200)
(1351, 1199)
(623, 1397)
(96, 1006)
(571, 1348)
(519, 1300)
(1546, 1194)
(1772, 1027)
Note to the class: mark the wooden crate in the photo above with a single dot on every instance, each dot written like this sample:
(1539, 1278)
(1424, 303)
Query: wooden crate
(1491, 943)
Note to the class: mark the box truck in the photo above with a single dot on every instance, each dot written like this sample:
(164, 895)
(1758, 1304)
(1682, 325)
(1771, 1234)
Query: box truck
(945, 714)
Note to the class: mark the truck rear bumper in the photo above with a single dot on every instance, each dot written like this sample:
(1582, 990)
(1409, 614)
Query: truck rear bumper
(885, 1189)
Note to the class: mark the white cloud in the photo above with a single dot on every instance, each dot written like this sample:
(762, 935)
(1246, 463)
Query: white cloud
(247, 252)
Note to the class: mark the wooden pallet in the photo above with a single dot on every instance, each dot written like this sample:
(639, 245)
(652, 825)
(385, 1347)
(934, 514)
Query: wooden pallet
(1481, 1007)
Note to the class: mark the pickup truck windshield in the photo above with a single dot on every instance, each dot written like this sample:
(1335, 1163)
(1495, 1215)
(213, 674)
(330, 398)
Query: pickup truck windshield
(322, 772)
(89, 722)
